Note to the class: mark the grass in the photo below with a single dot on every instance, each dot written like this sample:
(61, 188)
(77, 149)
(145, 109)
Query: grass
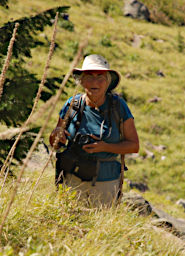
(58, 223)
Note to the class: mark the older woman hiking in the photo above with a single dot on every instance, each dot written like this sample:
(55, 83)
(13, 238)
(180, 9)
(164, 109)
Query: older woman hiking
(89, 164)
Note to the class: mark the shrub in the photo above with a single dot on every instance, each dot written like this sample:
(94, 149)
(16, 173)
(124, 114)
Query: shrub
(166, 12)
(112, 8)
(106, 41)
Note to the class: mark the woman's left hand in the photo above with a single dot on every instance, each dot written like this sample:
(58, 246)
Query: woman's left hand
(97, 146)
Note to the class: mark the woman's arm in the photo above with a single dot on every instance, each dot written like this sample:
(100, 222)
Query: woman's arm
(130, 144)
(57, 132)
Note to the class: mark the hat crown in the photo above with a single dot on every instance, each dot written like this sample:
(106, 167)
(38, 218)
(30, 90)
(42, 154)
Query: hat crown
(95, 61)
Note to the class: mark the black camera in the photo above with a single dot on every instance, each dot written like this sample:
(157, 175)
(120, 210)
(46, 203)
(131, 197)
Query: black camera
(83, 139)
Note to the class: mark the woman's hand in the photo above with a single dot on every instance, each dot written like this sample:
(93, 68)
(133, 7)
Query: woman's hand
(58, 135)
(97, 146)
(61, 134)
(130, 144)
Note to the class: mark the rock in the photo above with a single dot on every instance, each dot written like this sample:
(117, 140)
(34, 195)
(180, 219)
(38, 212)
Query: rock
(160, 41)
(177, 226)
(132, 156)
(154, 99)
(160, 73)
(136, 42)
(128, 75)
(136, 10)
(162, 222)
(149, 154)
(181, 202)
(138, 185)
(158, 148)
(135, 201)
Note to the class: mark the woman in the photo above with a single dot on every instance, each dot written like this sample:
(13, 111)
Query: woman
(98, 80)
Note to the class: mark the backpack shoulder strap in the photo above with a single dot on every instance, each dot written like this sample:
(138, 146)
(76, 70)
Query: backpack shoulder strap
(77, 109)
(115, 106)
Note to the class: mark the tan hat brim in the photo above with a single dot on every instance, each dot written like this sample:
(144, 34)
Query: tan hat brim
(115, 76)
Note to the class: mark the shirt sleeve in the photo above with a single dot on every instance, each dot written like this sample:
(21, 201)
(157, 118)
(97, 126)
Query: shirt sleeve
(124, 110)
(65, 108)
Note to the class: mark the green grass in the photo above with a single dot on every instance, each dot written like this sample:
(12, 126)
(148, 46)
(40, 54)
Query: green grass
(58, 224)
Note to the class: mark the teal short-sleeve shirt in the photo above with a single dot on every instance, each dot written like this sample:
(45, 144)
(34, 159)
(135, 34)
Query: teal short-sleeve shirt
(91, 123)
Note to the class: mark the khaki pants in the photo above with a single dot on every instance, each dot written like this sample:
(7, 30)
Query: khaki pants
(102, 194)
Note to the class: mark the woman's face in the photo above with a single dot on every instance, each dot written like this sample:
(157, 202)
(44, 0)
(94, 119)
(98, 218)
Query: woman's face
(95, 83)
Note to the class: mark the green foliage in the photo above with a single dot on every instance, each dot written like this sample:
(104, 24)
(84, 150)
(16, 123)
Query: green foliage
(112, 8)
(4, 3)
(166, 12)
(70, 49)
(66, 24)
(21, 86)
(27, 29)
(59, 223)
(17, 99)
(181, 43)
(106, 41)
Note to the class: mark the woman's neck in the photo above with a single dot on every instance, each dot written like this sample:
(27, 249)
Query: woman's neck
(95, 103)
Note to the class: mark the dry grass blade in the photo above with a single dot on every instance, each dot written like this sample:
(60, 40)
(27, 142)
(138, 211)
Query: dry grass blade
(74, 63)
(7, 60)
(55, 143)
(122, 165)
(12, 150)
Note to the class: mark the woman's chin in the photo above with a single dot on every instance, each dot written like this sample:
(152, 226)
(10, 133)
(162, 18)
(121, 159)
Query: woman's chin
(95, 96)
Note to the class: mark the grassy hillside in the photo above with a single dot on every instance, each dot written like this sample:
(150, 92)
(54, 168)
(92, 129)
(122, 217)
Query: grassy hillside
(57, 224)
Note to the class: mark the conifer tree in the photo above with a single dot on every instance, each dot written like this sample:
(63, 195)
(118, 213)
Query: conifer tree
(20, 86)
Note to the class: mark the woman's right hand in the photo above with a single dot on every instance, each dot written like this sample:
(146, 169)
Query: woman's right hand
(58, 135)
(61, 134)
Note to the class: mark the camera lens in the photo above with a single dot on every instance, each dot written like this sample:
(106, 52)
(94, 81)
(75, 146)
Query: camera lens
(84, 139)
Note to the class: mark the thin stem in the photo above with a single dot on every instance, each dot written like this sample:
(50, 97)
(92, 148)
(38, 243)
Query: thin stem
(74, 63)
(7, 60)
(55, 143)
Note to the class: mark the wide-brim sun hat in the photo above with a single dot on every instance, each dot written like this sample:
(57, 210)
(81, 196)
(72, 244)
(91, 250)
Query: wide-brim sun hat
(96, 62)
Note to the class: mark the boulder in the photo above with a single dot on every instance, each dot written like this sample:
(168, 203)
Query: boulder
(181, 202)
(177, 226)
(160, 218)
(136, 10)
(137, 202)
(138, 185)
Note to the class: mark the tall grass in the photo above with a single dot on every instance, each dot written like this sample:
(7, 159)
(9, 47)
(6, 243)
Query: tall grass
(60, 223)
(13, 194)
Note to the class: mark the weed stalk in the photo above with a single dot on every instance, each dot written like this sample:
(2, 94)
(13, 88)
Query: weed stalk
(7, 60)
(74, 63)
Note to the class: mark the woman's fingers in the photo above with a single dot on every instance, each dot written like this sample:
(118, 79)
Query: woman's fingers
(63, 138)
(95, 147)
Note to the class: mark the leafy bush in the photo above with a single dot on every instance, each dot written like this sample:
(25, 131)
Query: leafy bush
(70, 49)
(106, 41)
(112, 8)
